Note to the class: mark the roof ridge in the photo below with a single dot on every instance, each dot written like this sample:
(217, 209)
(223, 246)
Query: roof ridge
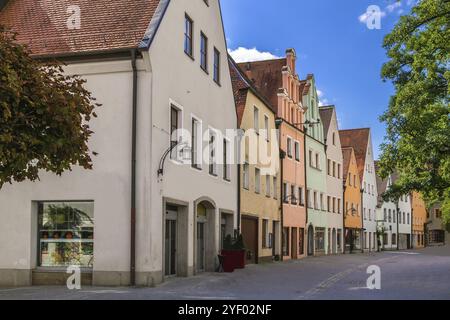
(328, 107)
(355, 129)
(265, 60)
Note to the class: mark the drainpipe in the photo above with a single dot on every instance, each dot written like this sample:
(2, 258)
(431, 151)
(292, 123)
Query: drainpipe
(278, 124)
(239, 197)
(362, 235)
(398, 229)
(412, 228)
(305, 130)
(343, 216)
(133, 174)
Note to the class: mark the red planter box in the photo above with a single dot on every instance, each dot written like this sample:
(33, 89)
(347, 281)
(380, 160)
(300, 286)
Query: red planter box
(235, 258)
(228, 264)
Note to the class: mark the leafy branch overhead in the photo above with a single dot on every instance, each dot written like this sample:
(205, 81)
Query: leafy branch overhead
(44, 115)
(417, 143)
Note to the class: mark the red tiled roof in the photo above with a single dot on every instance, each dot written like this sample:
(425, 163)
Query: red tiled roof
(267, 77)
(105, 24)
(359, 140)
(241, 85)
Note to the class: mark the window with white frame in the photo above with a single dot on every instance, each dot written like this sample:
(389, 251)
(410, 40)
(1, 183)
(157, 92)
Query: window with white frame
(175, 126)
(301, 196)
(293, 196)
(216, 74)
(322, 202)
(285, 193)
(297, 151)
(257, 180)
(266, 127)
(212, 153)
(196, 143)
(267, 185)
(316, 201)
(256, 119)
(289, 147)
(275, 187)
(308, 198)
(246, 173)
(226, 160)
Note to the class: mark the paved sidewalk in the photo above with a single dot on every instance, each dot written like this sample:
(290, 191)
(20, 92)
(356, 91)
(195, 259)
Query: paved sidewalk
(421, 274)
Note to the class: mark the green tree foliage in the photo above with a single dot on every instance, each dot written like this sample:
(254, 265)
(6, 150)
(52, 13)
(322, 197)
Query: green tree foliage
(44, 115)
(417, 143)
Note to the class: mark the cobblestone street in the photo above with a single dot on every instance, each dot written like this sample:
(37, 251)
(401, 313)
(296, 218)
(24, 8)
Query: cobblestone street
(421, 274)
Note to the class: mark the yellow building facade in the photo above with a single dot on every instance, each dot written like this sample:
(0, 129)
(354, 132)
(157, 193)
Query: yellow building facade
(419, 215)
(352, 202)
(260, 182)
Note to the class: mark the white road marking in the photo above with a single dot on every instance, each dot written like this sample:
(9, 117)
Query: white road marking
(405, 253)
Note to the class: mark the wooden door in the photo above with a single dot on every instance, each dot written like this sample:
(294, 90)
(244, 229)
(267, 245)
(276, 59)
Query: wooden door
(249, 231)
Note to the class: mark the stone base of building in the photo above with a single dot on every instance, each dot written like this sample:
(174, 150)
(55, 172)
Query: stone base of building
(26, 278)
(57, 278)
(268, 259)
(15, 278)
(122, 278)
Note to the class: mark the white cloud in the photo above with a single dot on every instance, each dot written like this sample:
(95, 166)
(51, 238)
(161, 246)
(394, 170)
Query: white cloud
(365, 16)
(242, 54)
(394, 7)
(390, 8)
(322, 100)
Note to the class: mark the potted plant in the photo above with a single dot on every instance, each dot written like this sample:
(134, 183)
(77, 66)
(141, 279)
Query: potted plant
(240, 251)
(234, 252)
(228, 259)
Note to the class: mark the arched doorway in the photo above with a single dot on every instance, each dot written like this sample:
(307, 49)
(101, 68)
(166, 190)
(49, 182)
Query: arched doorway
(334, 242)
(310, 240)
(205, 236)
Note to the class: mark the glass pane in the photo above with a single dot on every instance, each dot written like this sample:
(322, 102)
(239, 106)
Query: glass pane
(66, 234)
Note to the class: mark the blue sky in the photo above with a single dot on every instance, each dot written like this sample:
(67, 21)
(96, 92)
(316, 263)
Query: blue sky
(332, 41)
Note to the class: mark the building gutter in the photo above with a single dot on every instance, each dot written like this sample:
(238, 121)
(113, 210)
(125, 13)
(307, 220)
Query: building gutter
(133, 172)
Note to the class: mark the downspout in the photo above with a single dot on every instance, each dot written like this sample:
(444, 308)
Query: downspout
(133, 174)
(306, 173)
(343, 216)
(282, 195)
(398, 230)
(412, 228)
(239, 198)
(362, 235)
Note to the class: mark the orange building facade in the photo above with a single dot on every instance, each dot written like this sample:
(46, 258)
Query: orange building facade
(279, 83)
(352, 203)
(419, 215)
